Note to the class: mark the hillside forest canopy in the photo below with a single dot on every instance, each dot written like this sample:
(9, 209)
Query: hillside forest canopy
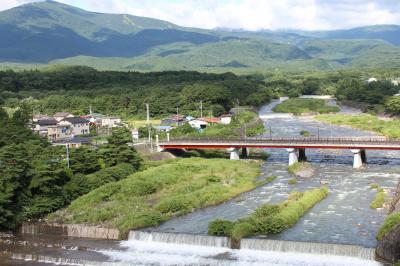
(76, 89)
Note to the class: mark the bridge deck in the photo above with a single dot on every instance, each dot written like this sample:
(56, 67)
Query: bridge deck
(376, 143)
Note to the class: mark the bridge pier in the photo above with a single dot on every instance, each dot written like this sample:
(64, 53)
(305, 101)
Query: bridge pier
(302, 155)
(245, 152)
(360, 158)
(292, 156)
(234, 153)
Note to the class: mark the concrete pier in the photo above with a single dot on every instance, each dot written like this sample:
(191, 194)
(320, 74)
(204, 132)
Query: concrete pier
(292, 156)
(234, 153)
(360, 158)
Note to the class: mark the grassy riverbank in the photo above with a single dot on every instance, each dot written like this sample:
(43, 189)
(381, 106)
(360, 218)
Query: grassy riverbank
(300, 106)
(389, 128)
(379, 199)
(270, 218)
(159, 193)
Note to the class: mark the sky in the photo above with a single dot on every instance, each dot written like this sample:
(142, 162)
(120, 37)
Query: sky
(249, 14)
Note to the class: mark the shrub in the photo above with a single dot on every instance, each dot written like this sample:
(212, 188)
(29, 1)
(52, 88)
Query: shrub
(379, 199)
(374, 186)
(390, 222)
(241, 230)
(178, 204)
(220, 228)
(292, 181)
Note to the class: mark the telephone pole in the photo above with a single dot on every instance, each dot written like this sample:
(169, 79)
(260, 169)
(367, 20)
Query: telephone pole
(201, 109)
(67, 147)
(148, 120)
(177, 116)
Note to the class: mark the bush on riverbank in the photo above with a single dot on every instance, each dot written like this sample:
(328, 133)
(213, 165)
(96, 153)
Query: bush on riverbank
(389, 128)
(159, 193)
(292, 181)
(391, 221)
(301, 169)
(300, 106)
(270, 218)
(379, 199)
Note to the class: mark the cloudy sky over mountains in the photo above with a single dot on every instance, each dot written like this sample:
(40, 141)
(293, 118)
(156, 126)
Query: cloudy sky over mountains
(249, 14)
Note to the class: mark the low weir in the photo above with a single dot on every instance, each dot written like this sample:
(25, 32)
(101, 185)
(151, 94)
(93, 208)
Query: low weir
(256, 244)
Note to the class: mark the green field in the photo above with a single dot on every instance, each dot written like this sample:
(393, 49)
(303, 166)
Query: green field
(159, 193)
(389, 128)
(300, 106)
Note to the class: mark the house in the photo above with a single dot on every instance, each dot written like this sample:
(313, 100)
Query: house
(59, 132)
(41, 126)
(198, 124)
(211, 120)
(110, 121)
(173, 120)
(72, 143)
(163, 128)
(226, 119)
(38, 117)
(79, 125)
(62, 115)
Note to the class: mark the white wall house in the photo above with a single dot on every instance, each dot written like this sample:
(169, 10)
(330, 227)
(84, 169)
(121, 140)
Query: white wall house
(42, 126)
(79, 126)
(59, 132)
(198, 124)
(226, 119)
(110, 121)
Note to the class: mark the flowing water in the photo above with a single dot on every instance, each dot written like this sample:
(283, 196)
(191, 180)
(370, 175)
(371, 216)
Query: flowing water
(343, 222)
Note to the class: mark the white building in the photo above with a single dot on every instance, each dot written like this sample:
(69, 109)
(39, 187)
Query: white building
(372, 80)
(198, 124)
(79, 125)
(42, 126)
(59, 132)
(110, 121)
(226, 119)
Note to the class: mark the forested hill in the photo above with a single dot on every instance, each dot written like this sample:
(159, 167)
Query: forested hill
(74, 89)
(51, 32)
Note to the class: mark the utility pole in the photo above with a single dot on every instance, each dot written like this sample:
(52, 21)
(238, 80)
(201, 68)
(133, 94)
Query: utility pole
(270, 131)
(201, 109)
(67, 148)
(177, 116)
(148, 120)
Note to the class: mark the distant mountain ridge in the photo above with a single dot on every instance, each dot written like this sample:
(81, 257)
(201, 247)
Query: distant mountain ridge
(51, 32)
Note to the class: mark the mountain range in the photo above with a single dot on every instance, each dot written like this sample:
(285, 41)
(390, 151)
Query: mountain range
(53, 33)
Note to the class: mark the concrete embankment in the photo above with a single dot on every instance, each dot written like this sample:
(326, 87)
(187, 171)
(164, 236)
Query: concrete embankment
(69, 230)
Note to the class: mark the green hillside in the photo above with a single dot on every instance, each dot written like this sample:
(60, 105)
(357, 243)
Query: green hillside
(42, 33)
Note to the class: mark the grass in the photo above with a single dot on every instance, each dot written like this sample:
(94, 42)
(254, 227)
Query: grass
(159, 193)
(292, 181)
(133, 123)
(390, 222)
(389, 129)
(298, 167)
(270, 218)
(379, 199)
(300, 106)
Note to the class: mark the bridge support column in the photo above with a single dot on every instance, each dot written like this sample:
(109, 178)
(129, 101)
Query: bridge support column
(234, 153)
(292, 156)
(302, 155)
(159, 149)
(359, 158)
(245, 152)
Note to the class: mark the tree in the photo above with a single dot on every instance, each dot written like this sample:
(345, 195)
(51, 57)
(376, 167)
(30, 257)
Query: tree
(392, 105)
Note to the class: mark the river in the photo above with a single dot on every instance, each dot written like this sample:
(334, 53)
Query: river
(344, 217)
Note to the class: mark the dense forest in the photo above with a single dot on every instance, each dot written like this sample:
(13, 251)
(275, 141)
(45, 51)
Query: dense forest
(75, 89)
(34, 176)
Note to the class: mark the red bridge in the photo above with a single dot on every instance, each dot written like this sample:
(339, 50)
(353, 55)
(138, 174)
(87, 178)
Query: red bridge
(294, 145)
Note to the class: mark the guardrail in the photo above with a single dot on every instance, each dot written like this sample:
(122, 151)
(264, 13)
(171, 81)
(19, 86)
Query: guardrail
(291, 140)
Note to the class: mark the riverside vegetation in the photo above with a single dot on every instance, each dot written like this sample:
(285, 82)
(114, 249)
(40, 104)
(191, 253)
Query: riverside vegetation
(300, 106)
(159, 193)
(379, 199)
(270, 218)
(390, 128)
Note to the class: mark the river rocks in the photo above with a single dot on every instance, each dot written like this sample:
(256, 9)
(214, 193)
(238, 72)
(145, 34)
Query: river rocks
(389, 247)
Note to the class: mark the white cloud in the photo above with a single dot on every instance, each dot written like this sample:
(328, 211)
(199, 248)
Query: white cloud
(251, 14)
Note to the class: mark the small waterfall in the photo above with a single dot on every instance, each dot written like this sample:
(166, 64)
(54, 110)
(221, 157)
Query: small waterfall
(182, 239)
(308, 247)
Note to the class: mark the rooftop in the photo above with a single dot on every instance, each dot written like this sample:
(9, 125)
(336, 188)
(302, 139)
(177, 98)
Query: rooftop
(76, 120)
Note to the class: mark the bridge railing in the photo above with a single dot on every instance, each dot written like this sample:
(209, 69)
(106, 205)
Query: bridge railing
(296, 140)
